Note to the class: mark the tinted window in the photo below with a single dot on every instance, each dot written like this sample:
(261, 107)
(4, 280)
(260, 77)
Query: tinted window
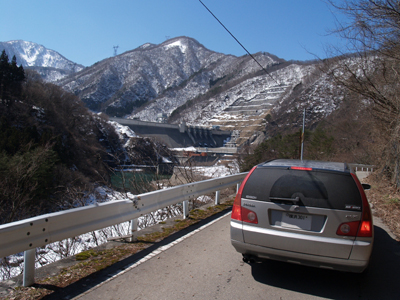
(311, 188)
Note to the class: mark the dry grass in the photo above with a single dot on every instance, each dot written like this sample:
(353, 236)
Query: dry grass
(385, 201)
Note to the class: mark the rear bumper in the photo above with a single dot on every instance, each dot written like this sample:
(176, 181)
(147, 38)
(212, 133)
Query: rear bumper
(347, 265)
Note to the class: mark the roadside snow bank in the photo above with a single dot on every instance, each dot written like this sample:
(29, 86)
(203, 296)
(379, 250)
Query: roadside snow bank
(218, 170)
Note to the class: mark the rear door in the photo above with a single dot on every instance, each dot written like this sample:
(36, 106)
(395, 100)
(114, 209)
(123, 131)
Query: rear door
(300, 211)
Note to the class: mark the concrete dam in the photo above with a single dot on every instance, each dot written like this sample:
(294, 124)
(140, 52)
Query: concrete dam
(179, 135)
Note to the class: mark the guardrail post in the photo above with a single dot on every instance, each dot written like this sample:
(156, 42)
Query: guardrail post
(29, 267)
(134, 227)
(217, 198)
(185, 209)
(237, 187)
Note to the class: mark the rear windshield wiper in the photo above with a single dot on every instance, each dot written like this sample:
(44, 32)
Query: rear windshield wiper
(297, 199)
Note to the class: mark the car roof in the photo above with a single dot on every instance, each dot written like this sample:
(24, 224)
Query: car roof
(314, 164)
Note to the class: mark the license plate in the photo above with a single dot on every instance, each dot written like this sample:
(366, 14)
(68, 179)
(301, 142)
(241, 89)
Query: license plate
(296, 221)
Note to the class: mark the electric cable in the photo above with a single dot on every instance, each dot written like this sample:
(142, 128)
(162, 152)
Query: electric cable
(239, 43)
(255, 58)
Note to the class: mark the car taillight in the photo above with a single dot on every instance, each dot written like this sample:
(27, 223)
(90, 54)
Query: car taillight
(240, 213)
(249, 216)
(348, 229)
(365, 229)
(243, 214)
(365, 226)
(237, 208)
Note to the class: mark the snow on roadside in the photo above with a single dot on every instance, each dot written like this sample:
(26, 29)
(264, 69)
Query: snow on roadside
(13, 265)
(218, 170)
(72, 246)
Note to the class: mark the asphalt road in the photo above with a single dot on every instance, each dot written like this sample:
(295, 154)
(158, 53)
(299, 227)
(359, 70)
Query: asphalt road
(362, 174)
(204, 265)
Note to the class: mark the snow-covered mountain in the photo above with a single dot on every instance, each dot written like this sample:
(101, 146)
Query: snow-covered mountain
(188, 82)
(49, 63)
(121, 84)
(166, 76)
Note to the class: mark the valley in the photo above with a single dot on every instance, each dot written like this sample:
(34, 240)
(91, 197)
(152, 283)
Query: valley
(189, 83)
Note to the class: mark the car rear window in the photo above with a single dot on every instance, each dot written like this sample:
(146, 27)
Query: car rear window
(315, 188)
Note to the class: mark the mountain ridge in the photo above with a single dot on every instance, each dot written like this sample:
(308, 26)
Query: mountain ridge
(50, 64)
(178, 63)
(183, 80)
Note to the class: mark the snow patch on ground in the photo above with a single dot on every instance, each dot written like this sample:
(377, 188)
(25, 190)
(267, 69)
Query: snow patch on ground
(69, 247)
(176, 44)
(124, 132)
(218, 170)
(193, 149)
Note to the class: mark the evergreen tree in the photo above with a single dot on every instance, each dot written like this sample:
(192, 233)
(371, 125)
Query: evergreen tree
(4, 74)
(11, 78)
(17, 77)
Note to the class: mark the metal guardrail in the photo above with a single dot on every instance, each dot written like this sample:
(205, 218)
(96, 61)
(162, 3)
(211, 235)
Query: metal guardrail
(363, 168)
(29, 234)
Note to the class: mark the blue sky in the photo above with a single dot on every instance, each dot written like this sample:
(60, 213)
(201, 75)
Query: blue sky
(85, 31)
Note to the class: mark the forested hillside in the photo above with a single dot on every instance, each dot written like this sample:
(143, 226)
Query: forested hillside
(50, 153)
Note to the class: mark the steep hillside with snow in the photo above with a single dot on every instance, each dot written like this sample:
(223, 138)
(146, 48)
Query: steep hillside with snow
(49, 63)
(188, 82)
(245, 105)
(178, 69)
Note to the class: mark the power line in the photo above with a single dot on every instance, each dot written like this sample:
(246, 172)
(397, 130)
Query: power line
(239, 42)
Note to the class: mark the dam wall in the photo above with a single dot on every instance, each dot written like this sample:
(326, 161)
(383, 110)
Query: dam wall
(178, 135)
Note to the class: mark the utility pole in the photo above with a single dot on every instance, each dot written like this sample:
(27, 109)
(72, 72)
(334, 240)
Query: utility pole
(302, 135)
(115, 50)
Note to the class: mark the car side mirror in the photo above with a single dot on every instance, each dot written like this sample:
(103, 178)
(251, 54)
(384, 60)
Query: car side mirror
(366, 186)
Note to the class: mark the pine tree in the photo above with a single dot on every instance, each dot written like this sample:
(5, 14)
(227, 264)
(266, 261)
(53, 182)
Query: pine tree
(11, 78)
(4, 74)
(17, 77)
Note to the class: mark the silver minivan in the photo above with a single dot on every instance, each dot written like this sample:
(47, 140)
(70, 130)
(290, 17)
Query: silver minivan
(306, 212)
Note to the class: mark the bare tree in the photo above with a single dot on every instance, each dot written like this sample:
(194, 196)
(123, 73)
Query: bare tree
(370, 65)
(19, 182)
